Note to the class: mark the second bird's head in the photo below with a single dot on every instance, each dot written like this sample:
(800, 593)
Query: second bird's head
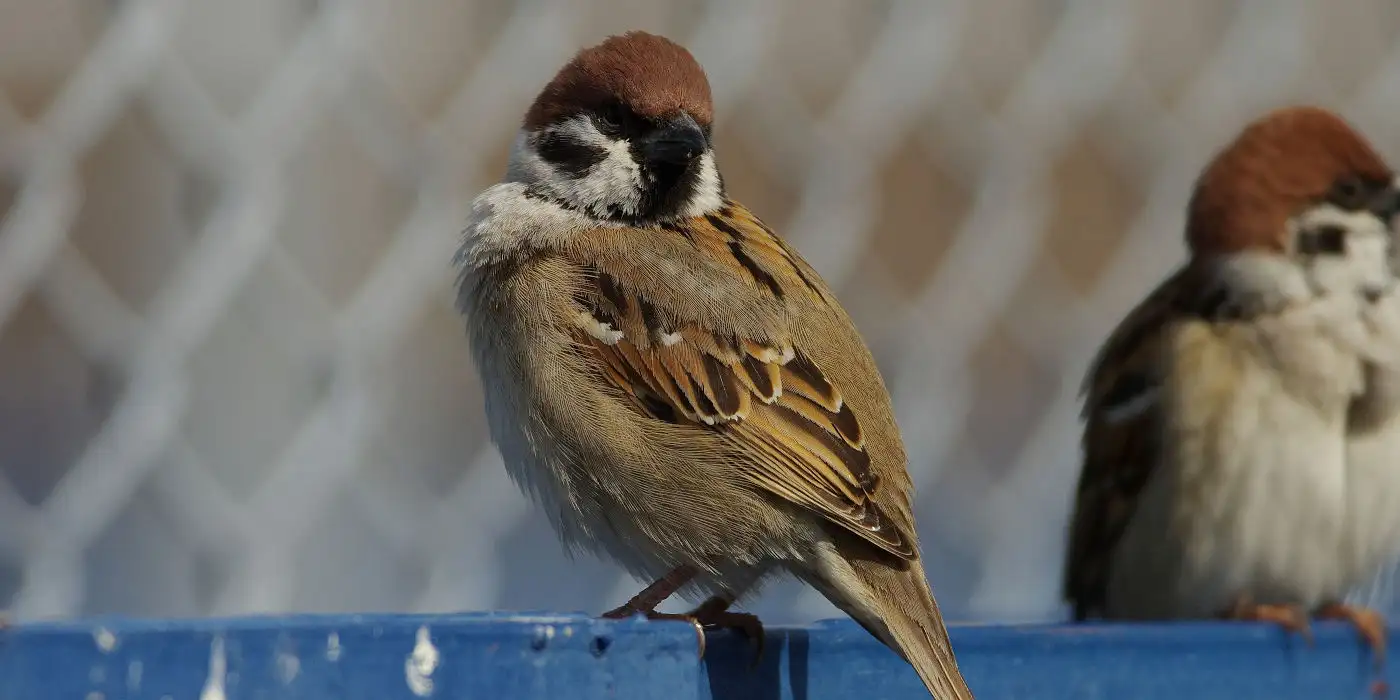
(622, 134)
(1298, 205)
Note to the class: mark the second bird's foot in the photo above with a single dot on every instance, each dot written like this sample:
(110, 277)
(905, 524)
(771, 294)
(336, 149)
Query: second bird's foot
(1368, 623)
(1292, 618)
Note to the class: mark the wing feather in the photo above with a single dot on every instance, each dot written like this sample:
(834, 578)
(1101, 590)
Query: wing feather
(1121, 439)
(802, 377)
(762, 393)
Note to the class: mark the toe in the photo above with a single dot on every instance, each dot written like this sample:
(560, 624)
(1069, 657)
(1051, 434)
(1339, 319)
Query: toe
(1368, 623)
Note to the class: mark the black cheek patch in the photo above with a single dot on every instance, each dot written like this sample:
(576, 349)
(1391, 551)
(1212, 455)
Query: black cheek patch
(568, 155)
(1327, 240)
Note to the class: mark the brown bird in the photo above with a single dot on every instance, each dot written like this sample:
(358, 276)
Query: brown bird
(1223, 415)
(670, 380)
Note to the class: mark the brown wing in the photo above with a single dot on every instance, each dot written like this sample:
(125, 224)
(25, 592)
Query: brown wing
(1121, 434)
(758, 390)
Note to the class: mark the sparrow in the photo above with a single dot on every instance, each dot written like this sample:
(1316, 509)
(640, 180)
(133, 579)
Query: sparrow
(669, 380)
(1239, 443)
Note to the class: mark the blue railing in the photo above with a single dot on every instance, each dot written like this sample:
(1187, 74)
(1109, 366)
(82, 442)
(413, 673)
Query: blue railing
(501, 657)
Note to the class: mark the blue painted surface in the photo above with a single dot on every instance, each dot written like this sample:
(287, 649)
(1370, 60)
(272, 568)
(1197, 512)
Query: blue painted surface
(502, 656)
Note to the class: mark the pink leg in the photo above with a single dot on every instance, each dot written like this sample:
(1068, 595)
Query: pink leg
(653, 595)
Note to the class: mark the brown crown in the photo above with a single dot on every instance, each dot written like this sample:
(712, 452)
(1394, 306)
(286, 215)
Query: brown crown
(652, 75)
(1277, 166)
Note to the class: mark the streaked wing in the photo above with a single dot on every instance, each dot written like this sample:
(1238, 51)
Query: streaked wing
(1121, 435)
(756, 389)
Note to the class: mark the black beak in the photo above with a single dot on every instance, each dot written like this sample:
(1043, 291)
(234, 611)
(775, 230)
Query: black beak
(676, 142)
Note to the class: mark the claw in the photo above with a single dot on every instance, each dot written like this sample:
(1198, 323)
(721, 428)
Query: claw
(712, 613)
(685, 617)
(626, 611)
(747, 624)
(1368, 623)
(715, 613)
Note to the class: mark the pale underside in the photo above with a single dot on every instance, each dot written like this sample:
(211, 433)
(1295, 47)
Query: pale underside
(737, 502)
(1254, 496)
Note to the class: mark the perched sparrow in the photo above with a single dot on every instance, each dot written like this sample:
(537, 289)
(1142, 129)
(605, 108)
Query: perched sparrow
(1234, 459)
(675, 385)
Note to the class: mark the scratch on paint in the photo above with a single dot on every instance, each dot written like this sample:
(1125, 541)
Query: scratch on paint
(218, 670)
(418, 668)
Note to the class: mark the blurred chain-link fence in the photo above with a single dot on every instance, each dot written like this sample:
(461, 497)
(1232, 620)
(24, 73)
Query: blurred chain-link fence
(231, 379)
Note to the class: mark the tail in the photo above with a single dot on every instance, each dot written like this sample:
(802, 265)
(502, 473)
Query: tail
(898, 608)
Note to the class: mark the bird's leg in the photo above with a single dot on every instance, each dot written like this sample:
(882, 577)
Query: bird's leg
(1367, 622)
(653, 595)
(715, 612)
(1290, 617)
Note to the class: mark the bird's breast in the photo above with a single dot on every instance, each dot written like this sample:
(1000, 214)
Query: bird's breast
(1251, 500)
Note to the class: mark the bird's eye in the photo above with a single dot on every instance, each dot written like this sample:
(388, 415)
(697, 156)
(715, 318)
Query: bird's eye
(1349, 193)
(610, 118)
(1327, 240)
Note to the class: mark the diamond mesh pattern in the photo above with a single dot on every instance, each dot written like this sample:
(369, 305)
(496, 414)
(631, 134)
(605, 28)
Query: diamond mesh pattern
(231, 379)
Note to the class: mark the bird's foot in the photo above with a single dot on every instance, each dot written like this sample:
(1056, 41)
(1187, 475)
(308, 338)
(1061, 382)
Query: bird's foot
(1367, 622)
(715, 613)
(1290, 617)
(626, 611)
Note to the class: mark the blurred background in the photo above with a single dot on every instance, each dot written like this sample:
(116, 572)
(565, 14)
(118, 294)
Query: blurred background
(231, 377)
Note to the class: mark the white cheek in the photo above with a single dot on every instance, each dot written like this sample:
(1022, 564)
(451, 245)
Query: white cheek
(1329, 215)
(1370, 254)
(709, 195)
(1367, 261)
(1364, 267)
(616, 180)
(525, 164)
(614, 183)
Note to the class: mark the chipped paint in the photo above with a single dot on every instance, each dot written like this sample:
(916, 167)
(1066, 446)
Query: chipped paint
(106, 641)
(333, 647)
(218, 672)
(288, 667)
(418, 668)
(134, 671)
(487, 656)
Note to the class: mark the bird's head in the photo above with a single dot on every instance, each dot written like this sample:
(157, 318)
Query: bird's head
(1298, 205)
(622, 133)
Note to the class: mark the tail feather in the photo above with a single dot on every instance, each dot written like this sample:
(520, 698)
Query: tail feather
(897, 607)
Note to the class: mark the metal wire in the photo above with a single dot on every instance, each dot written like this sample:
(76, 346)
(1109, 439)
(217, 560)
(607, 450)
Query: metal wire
(231, 379)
